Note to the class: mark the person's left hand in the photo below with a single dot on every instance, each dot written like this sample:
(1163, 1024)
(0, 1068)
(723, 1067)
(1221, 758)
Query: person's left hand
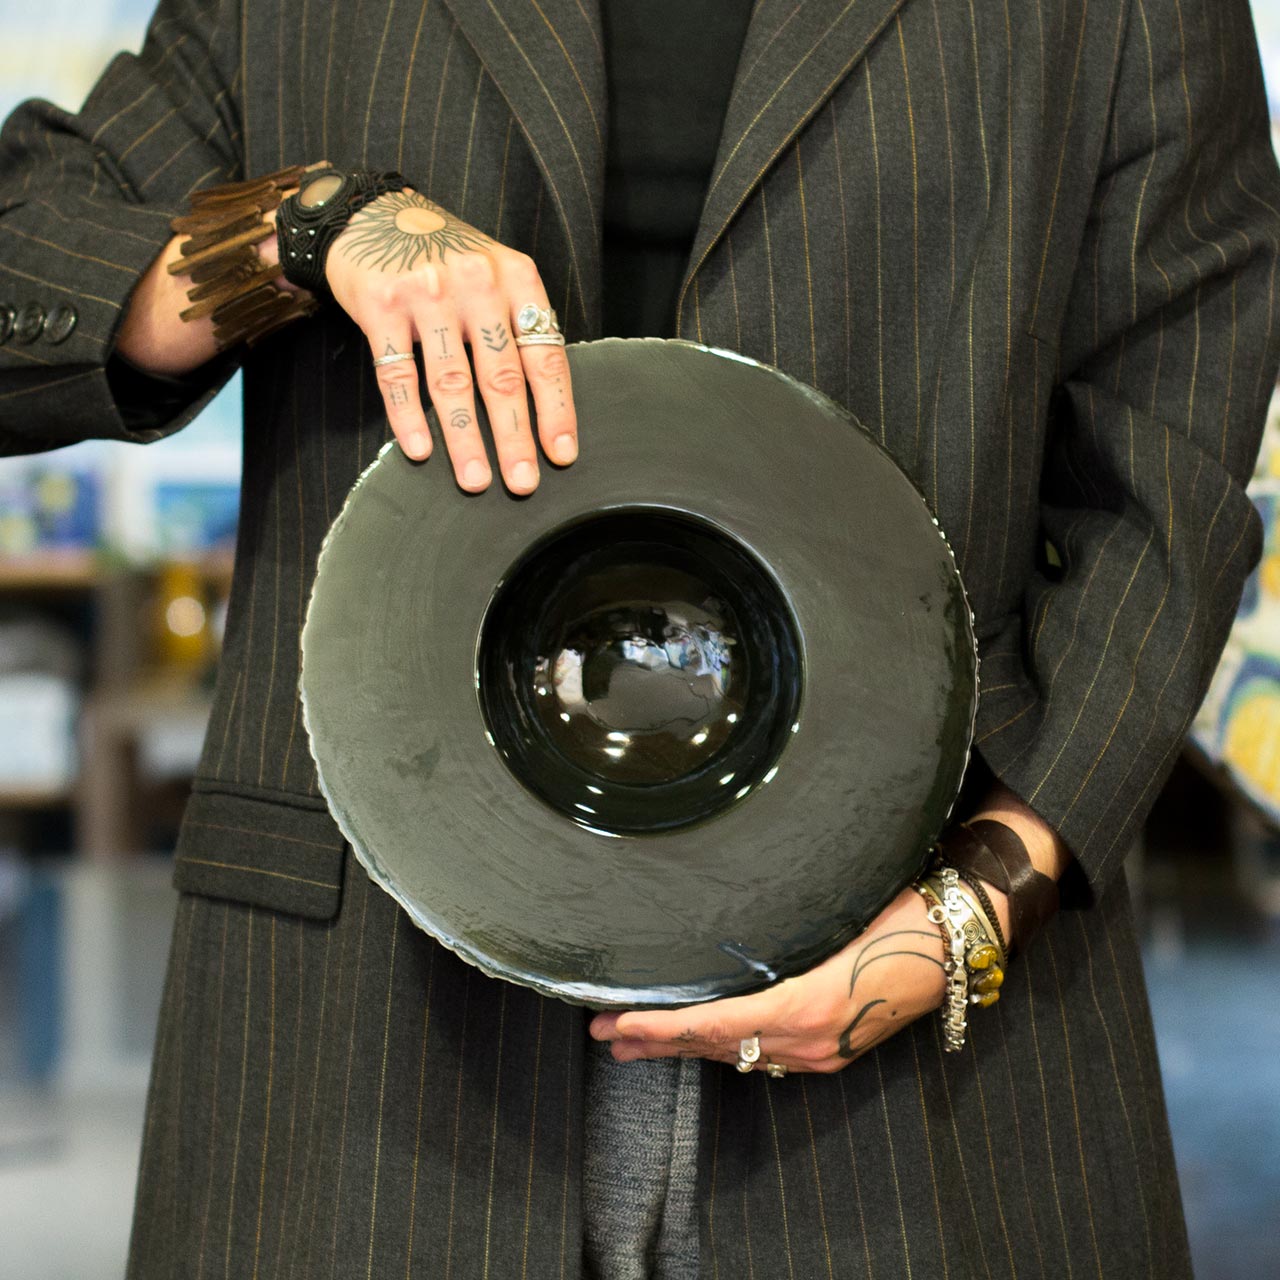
(822, 1020)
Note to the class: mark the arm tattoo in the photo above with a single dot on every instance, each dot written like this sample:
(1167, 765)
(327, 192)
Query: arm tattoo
(403, 228)
(496, 338)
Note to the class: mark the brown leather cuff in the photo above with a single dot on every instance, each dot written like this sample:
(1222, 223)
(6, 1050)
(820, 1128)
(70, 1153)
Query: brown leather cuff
(996, 853)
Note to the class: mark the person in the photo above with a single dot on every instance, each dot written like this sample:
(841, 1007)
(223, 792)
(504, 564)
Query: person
(1033, 251)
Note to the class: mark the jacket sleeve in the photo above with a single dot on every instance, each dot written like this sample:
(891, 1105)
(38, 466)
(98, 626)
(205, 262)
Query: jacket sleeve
(85, 205)
(1167, 359)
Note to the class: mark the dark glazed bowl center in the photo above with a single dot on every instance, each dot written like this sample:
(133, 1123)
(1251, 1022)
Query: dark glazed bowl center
(639, 670)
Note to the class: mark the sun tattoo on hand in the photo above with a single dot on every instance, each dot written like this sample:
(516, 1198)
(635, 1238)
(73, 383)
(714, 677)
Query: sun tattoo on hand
(402, 228)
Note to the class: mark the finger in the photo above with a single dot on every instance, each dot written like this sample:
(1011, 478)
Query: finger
(452, 391)
(483, 309)
(719, 1021)
(391, 335)
(546, 367)
(501, 377)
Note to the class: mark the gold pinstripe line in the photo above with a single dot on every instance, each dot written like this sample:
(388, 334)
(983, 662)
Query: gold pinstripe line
(746, 1234)
(493, 1126)
(226, 724)
(976, 1059)
(808, 268)
(915, 235)
(216, 171)
(1006, 391)
(382, 1091)
(973, 442)
(715, 1175)
(844, 249)
(533, 1133)
(769, 101)
(261, 831)
(773, 300)
(586, 97)
(782, 1189)
(304, 113)
(275, 611)
(746, 75)
(697, 310)
(1022, 1151)
(1151, 162)
(51, 284)
(1146, 635)
(346, 1090)
(875, 153)
(299, 932)
(1047, 943)
(457, 1124)
(435, 127)
(586, 18)
(733, 212)
(142, 137)
(471, 142)
(853, 1165)
(1062, 160)
(977, 92)
(893, 1165)
(186, 914)
(373, 87)
(959, 1146)
(1033, 1023)
(733, 288)
(568, 133)
(1115, 1075)
(328, 80)
(244, 1077)
(213, 1091)
(301, 576)
(266, 1127)
(817, 1177)
(257, 871)
(572, 1031)
(88, 222)
(1084, 702)
(408, 81)
(928, 1146)
(312, 1233)
(502, 179)
(128, 106)
(417, 1133)
(35, 359)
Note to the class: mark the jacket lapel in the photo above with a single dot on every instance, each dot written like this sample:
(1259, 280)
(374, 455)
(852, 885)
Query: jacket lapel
(546, 59)
(794, 56)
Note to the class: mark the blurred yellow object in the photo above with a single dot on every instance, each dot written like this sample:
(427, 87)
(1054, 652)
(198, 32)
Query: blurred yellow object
(182, 620)
(1269, 576)
(1252, 744)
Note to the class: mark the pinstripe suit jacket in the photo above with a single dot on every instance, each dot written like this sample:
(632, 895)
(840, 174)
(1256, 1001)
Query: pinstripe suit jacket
(1032, 245)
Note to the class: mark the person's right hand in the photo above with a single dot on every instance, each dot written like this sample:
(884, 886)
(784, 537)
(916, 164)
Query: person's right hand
(408, 271)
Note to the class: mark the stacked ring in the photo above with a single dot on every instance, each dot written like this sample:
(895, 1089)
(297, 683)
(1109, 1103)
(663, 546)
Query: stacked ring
(537, 326)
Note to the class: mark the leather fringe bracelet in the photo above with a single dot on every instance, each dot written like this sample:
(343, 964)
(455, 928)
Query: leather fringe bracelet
(229, 281)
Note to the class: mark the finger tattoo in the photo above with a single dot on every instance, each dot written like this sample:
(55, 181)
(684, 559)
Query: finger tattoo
(444, 342)
(495, 339)
(398, 395)
(460, 419)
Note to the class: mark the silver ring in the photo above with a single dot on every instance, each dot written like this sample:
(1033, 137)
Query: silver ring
(748, 1053)
(775, 1070)
(394, 358)
(532, 319)
(540, 340)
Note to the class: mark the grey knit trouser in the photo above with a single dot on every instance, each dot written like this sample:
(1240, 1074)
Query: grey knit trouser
(640, 1168)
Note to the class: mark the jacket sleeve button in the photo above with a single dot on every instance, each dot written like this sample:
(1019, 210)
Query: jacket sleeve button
(7, 314)
(62, 320)
(29, 322)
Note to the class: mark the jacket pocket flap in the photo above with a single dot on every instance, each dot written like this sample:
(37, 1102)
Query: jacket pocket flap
(261, 852)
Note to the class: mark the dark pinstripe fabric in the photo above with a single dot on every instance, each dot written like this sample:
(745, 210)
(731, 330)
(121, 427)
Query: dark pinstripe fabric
(1032, 245)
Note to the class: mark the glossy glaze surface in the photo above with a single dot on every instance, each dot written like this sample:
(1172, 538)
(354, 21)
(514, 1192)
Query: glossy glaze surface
(822, 830)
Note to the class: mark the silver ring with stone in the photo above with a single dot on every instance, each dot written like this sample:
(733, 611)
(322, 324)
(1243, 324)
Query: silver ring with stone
(748, 1053)
(394, 358)
(533, 320)
(775, 1070)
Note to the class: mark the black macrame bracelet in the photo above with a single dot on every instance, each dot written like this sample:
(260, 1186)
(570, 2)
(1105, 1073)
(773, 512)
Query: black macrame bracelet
(305, 232)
